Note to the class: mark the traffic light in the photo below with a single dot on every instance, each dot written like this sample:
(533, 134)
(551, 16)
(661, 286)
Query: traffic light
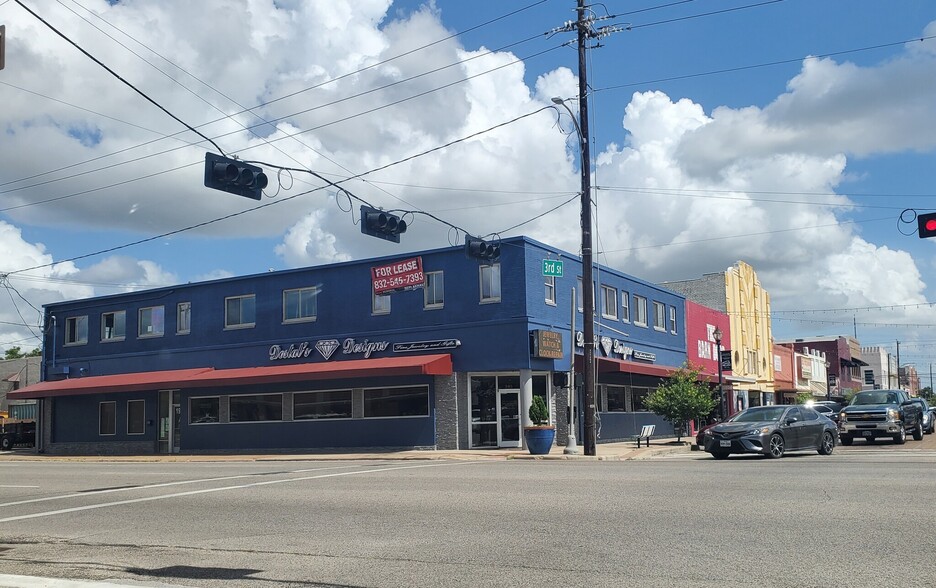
(927, 225)
(481, 249)
(380, 224)
(234, 176)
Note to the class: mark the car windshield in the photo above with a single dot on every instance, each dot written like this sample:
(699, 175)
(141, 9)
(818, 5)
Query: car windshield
(761, 413)
(874, 398)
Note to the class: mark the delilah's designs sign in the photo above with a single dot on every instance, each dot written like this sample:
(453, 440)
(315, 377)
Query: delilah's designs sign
(350, 346)
(327, 348)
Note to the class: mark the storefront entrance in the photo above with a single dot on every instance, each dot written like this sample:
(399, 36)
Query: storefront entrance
(508, 423)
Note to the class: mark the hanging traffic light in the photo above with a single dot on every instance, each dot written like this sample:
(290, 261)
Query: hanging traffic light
(381, 224)
(481, 249)
(927, 224)
(234, 176)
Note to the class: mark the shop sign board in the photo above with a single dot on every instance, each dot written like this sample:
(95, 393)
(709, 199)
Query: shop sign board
(547, 344)
(397, 276)
(726, 360)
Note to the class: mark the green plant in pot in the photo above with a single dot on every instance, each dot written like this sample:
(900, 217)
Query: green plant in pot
(540, 436)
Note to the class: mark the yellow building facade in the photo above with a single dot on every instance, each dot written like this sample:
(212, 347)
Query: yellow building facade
(748, 308)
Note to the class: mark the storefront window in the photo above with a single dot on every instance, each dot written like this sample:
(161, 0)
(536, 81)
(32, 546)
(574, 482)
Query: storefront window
(484, 411)
(326, 404)
(616, 400)
(396, 402)
(638, 395)
(256, 407)
(204, 410)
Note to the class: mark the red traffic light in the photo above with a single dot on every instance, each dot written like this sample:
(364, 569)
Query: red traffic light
(927, 224)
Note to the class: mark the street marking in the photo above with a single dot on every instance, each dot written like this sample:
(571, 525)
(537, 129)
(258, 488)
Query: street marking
(208, 490)
(10, 486)
(161, 485)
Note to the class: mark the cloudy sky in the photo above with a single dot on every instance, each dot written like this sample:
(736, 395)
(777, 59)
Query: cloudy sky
(790, 134)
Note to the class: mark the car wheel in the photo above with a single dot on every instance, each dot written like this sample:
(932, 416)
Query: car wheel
(720, 454)
(5, 444)
(918, 432)
(776, 446)
(901, 437)
(845, 439)
(827, 444)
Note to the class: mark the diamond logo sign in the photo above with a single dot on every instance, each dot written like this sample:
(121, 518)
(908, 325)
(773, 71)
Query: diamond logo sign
(327, 347)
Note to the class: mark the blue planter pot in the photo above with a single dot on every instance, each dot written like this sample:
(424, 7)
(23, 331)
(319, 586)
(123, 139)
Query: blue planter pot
(539, 439)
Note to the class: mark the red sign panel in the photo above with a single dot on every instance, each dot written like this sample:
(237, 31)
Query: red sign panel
(400, 275)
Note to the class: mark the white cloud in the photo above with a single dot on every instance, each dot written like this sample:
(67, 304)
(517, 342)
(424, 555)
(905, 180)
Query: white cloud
(677, 185)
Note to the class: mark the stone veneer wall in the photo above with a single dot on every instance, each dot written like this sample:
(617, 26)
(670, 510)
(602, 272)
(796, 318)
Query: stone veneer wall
(447, 409)
(103, 448)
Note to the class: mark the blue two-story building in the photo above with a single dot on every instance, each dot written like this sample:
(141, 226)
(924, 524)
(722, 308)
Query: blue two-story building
(434, 349)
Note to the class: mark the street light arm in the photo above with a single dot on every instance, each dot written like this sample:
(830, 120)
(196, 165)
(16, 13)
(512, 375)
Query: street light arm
(578, 130)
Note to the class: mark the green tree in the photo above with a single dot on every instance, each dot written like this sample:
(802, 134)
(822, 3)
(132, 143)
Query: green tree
(682, 398)
(927, 394)
(16, 352)
(804, 397)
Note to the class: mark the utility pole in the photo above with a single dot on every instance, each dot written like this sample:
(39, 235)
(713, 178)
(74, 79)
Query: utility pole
(588, 287)
(585, 32)
(898, 366)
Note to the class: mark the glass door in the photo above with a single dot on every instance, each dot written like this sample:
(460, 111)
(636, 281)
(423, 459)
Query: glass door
(508, 421)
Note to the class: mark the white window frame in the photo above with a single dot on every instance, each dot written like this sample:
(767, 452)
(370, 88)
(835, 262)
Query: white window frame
(75, 321)
(550, 283)
(154, 333)
(240, 297)
(609, 295)
(489, 270)
(300, 291)
(183, 309)
(114, 313)
(640, 310)
(379, 309)
(673, 328)
(431, 277)
(659, 316)
(625, 306)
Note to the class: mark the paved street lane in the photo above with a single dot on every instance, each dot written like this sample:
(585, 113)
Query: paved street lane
(675, 521)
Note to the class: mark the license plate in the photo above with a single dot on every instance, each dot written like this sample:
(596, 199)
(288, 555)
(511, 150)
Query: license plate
(867, 433)
(724, 443)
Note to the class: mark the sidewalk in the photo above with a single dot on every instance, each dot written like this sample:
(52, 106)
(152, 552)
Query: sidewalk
(623, 451)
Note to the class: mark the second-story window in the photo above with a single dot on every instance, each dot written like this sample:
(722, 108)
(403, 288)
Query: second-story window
(151, 322)
(434, 290)
(490, 283)
(76, 330)
(551, 290)
(240, 311)
(640, 311)
(625, 307)
(380, 303)
(114, 325)
(672, 320)
(184, 318)
(300, 304)
(609, 302)
(659, 316)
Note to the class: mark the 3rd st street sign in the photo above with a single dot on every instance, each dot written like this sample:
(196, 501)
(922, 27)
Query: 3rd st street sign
(553, 268)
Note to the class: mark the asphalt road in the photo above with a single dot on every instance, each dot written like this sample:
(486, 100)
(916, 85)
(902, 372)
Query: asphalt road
(861, 517)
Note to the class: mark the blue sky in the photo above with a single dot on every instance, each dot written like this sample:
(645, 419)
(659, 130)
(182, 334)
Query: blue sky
(800, 168)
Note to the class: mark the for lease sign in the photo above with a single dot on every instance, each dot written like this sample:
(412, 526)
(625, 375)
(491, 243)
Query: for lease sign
(399, 275)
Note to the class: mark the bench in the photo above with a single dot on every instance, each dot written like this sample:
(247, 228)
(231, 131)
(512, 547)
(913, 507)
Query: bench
(645, 433)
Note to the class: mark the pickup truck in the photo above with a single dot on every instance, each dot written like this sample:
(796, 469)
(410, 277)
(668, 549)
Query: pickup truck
(881, 413)
(17, 432)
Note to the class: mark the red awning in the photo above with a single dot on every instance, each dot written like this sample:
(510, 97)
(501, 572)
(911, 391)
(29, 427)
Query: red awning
(609, 365)
(432, 365)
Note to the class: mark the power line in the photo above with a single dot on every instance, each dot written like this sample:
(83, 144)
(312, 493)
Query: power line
(759, 65)
(316, 86)
(116, 75)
